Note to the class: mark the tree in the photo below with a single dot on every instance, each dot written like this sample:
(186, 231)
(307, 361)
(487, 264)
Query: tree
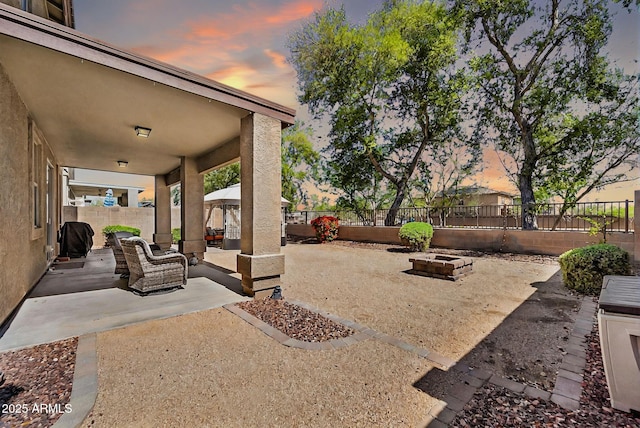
(317, 203)
(388, 88)
(359, 183)
(222, 178)
(299, 163)
(562, 120)
(175, 195)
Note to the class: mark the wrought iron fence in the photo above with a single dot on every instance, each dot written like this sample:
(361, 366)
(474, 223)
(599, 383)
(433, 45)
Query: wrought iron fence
(613, 216)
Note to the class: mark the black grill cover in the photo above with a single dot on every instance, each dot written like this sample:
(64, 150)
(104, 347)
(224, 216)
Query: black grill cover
(76, 239)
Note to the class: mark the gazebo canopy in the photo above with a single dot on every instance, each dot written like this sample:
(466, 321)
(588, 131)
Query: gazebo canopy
(230, 196)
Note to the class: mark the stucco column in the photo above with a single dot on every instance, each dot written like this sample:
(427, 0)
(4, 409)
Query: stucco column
(192, 209)
(162, 211)
(132, 198)
(260, 261)
(636, 227)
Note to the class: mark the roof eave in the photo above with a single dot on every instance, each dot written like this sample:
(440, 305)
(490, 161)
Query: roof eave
(33, 29)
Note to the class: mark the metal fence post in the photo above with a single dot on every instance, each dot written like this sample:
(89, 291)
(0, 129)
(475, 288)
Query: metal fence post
(626, 216)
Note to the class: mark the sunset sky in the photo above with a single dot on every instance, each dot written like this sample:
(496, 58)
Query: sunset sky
(243, 44)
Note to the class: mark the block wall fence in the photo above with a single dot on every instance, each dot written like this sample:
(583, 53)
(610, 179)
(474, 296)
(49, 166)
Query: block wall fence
(514, 241)
(99, 217)
(551, 243)
(509, 240)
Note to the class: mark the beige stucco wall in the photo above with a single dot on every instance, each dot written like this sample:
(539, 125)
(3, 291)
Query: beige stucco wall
(22, 249)
(14, 3)
(38, 7)
(99, 217)
(517, 241)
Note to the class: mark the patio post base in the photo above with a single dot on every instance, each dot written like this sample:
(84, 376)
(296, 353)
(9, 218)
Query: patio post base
(260, 274)
(198, 247)
(163, 240)
(259, 288)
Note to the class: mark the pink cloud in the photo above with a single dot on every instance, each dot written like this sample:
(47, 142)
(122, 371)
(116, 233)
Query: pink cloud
(238, 47)
(294, 11)
(251, 19)
(278, 59)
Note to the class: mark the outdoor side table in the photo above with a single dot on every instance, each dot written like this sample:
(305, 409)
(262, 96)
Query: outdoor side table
(619, 323)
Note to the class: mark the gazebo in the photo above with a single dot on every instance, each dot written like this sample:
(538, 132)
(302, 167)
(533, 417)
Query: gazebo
(228, 200)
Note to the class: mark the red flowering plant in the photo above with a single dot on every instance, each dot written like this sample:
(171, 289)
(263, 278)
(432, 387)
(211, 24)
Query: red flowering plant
(326, 228)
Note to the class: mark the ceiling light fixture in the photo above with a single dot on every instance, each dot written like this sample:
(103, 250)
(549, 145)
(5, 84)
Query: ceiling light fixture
(123, 164)
(143, 132)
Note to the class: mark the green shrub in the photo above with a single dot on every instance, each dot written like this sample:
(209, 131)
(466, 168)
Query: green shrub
(176, 234)
(583, 268)
(326, 228)
(416, 235)
(120, 228)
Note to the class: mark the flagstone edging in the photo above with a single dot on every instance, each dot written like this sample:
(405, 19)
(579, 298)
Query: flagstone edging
(85, 383)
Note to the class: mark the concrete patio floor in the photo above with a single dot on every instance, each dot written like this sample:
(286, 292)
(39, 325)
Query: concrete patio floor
(70, 302)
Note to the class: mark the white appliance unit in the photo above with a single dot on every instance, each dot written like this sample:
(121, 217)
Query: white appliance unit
(619, 323)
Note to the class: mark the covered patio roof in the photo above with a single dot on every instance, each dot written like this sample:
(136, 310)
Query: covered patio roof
(87, 97)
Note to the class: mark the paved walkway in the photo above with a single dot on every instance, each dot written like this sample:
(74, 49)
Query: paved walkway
(73, 302)
(47, 319)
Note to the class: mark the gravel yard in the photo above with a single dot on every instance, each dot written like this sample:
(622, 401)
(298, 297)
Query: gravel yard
(483, 319)
(217, 370)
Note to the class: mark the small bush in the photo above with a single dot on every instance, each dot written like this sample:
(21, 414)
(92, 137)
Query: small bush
(326, 228)
(583, 268)
(416, 235)
(176, 234)
(120, 228)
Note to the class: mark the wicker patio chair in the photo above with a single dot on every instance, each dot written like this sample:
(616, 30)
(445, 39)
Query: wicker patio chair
(148, 272)
(114, 242)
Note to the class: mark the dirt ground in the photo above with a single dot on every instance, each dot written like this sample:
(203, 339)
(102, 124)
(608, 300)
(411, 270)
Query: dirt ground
(511, 316)
(213, 369)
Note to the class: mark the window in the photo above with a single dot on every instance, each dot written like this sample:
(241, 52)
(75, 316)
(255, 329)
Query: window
(36, 179)
(60, 11)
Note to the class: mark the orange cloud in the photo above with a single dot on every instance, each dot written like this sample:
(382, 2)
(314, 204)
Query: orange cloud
(251, 19)
(237, 75)
(278, 59)
(238, 47)
(293, 12)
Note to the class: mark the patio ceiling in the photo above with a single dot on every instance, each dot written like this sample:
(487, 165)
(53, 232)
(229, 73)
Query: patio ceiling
(87, 97)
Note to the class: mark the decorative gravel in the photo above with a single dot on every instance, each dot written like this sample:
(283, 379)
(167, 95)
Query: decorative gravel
(296, 322)
(37, 384)
(495, 406)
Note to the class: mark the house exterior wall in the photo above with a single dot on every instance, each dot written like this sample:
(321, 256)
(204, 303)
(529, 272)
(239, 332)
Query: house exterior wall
(39, 8)
(23, 249)
(491, 203)
(14, 3)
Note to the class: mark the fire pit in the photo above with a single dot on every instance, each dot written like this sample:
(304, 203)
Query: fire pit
(441, 266)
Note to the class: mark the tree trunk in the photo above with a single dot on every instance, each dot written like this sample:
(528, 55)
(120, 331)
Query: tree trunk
(563, 209)
(525, 180)
(529, 221)
(390, 220)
